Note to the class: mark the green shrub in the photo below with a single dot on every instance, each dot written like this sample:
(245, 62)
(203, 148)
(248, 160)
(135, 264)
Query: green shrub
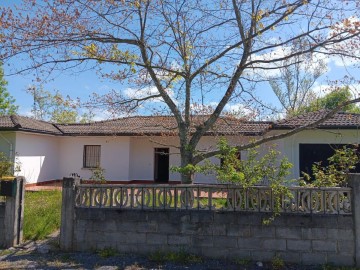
(253, 170)
(180, 257)
(243, 262)
(107, 252)
(97, 174)
(277, 263)
(336, 173)
(5, 165)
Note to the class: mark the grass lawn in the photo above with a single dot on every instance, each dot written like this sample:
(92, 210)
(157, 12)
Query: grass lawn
(42, 214)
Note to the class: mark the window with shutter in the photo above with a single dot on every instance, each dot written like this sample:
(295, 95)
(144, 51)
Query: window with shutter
(91, 156)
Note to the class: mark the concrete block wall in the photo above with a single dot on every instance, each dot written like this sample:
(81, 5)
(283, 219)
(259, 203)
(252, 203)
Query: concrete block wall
(300, 239)
(305, 239)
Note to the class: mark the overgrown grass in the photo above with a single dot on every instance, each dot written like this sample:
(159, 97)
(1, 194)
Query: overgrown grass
(333, 267)
(107, 253)
(42, 214)
(180, 257)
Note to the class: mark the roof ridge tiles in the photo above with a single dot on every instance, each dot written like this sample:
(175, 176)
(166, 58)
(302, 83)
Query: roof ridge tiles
(14, 119)
(115, 119)
(55, 126)
(32, 118)
(155, 116)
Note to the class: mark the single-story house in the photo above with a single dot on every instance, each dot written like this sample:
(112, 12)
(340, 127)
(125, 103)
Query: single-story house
(143, 148)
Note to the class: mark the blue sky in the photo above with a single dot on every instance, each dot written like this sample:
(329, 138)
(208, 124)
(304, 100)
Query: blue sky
(83, 84)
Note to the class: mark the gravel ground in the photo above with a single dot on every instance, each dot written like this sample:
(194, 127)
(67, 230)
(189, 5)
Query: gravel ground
(46, 255)
(127, 262)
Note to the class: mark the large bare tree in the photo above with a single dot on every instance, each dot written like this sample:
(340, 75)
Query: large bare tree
(181, 52)
(293, 85)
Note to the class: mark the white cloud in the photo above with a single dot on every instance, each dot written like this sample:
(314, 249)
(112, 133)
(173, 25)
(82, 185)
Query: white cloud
(25, 111)
(272, 69)
(162, 74)
(239, 109)
(343, 54)
(348, 46)
(101, 115)
(105, 87)
(342, 61)
(133, 93)
(321, 90)
(151, 104)
(259, 68)
(236, 109)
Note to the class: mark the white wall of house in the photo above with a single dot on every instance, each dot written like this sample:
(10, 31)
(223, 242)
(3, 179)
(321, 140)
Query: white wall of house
(45, 157)
(142, 156)
(114, 156)
(142, 151)
(38, 157)
(289, 146)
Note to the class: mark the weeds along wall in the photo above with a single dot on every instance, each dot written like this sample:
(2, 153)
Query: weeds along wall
(306, 239)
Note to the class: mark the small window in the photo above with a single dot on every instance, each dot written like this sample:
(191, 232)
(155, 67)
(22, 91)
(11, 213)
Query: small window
(91, 157)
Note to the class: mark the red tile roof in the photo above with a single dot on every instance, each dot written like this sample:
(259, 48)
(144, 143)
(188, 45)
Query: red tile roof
(16, 122)
(157, 125)
(339, 120)
(166, 125)
(6, 122)
(137, 125)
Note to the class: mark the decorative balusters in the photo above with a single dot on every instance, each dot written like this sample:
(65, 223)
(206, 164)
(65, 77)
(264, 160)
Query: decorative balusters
(214, 197)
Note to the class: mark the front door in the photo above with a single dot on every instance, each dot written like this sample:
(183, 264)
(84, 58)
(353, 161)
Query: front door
(161, 170)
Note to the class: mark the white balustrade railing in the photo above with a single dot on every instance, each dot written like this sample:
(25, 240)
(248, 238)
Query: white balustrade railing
(214, 197)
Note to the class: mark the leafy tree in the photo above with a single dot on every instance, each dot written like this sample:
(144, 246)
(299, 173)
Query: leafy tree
(55, 108)
(43, 101)
(293, 85)
(253, 170)
(5, 165)
(7, 102)
(176, 53)
(336, 173)
(330, 101)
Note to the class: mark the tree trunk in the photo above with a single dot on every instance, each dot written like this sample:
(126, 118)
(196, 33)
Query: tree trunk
(186, 159)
